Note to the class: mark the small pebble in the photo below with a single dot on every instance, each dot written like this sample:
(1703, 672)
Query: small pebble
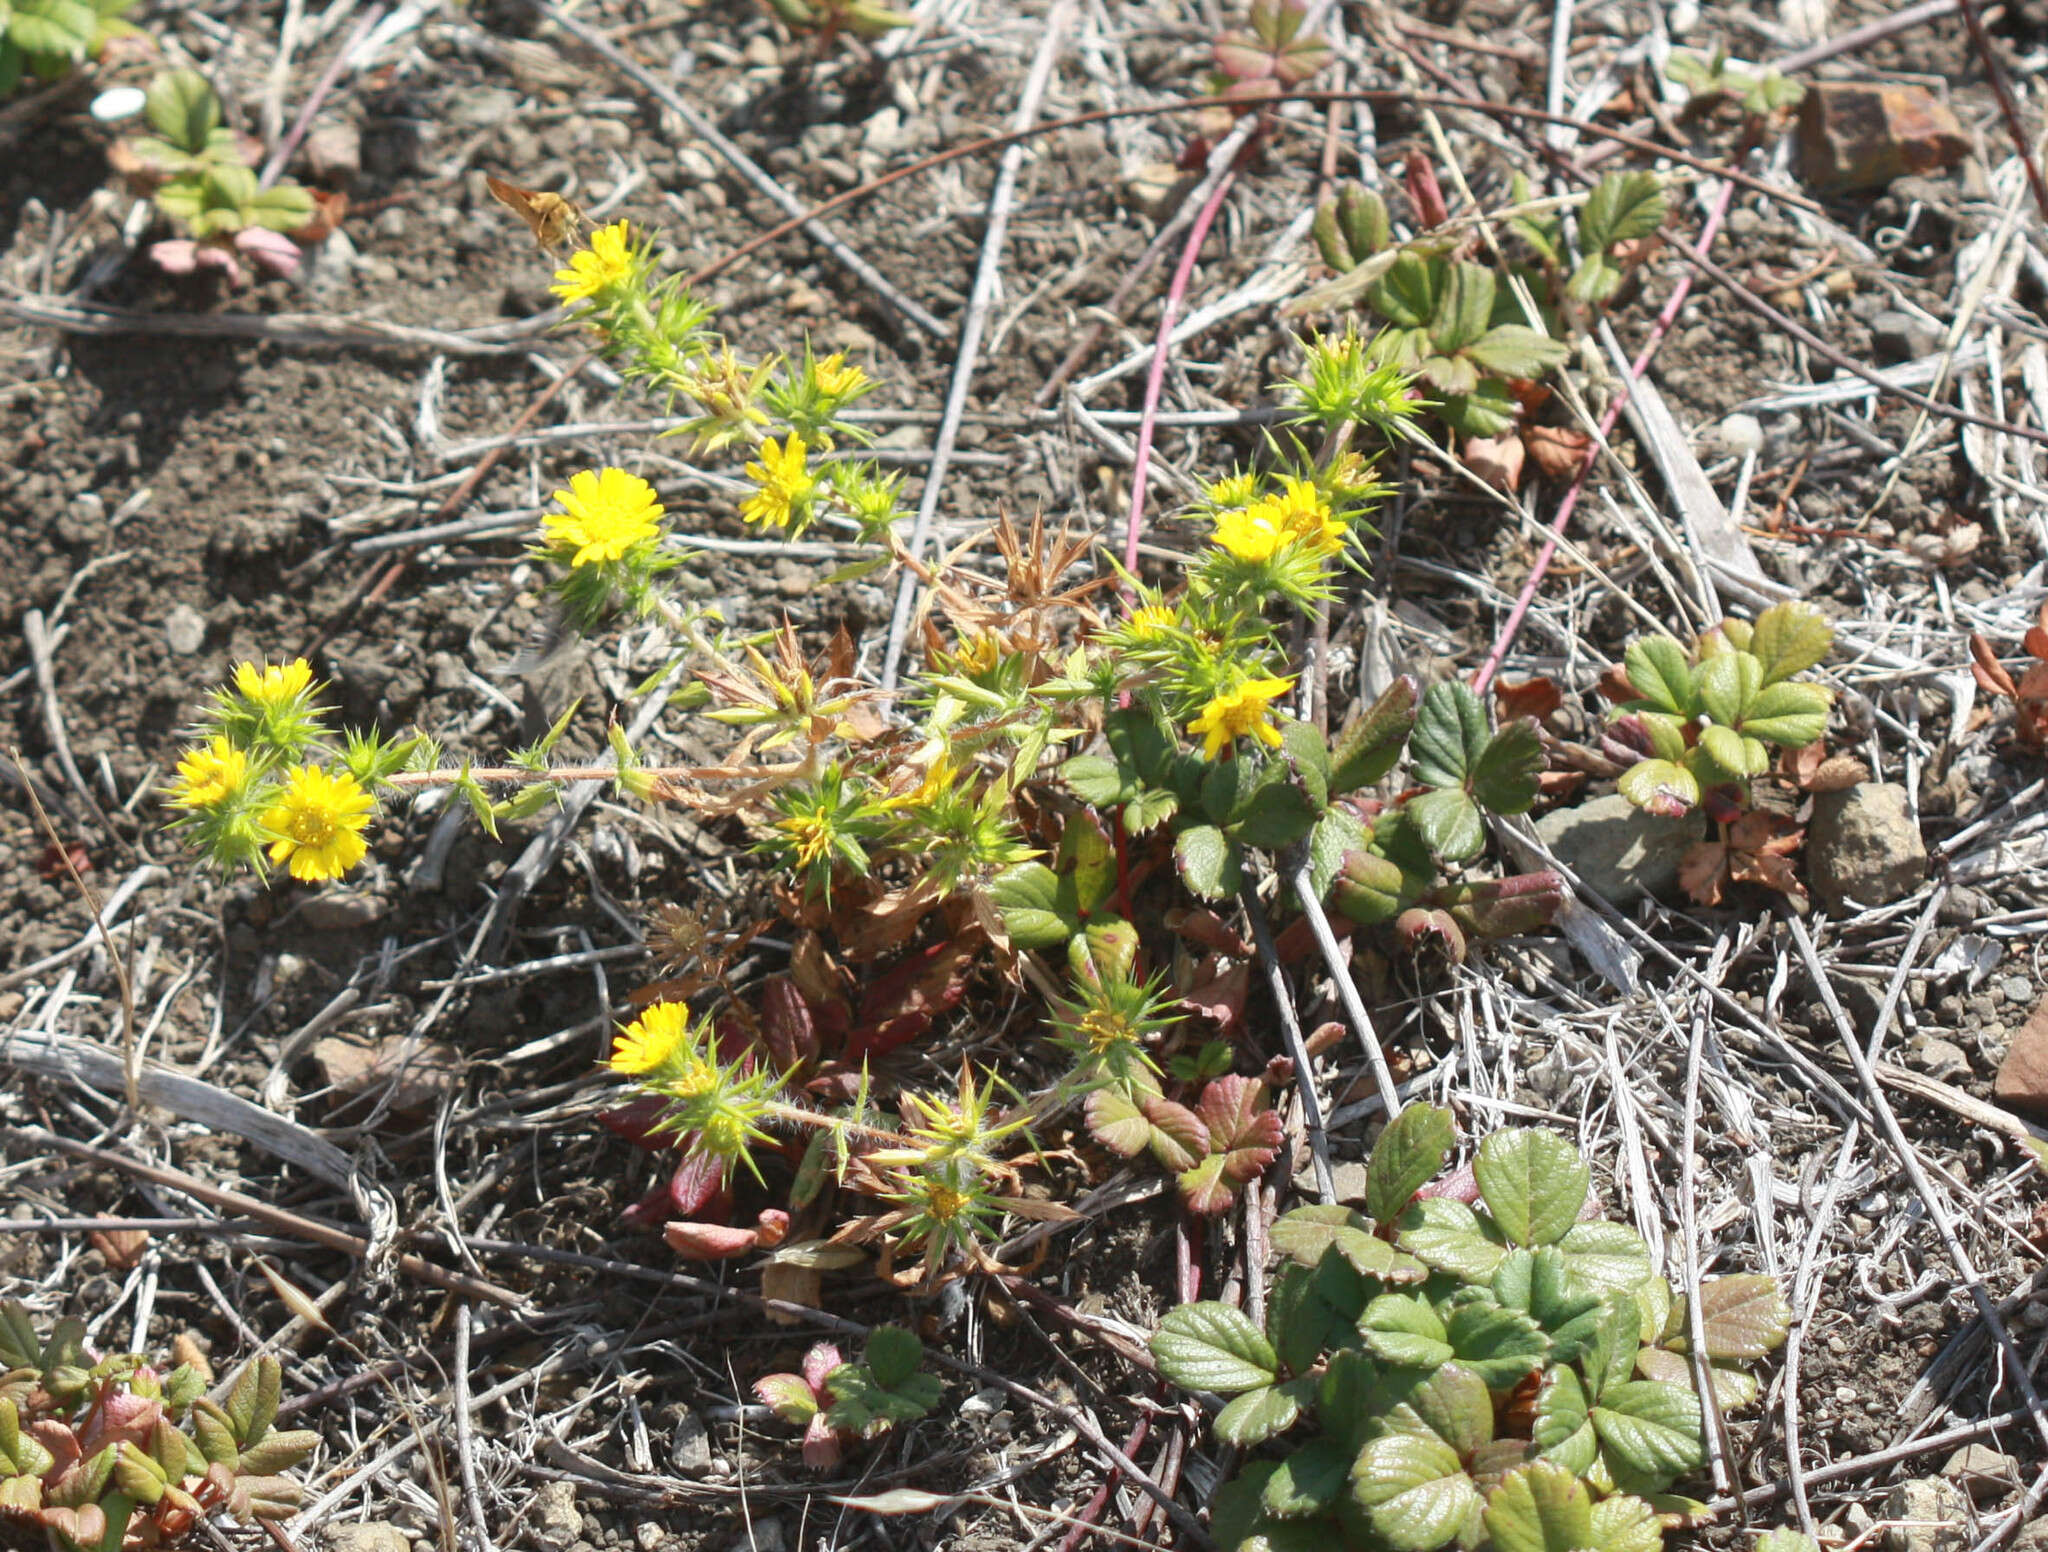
(2017, 988)
(118, 102)
(1742, 435)
(185, 630)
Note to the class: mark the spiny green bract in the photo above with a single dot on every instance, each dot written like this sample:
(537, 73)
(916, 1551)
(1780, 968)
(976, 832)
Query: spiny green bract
(1485, 1365)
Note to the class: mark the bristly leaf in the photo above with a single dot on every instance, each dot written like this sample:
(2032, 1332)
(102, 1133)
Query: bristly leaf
(1415, 1491)
(1540, 1508)
(1368, 748)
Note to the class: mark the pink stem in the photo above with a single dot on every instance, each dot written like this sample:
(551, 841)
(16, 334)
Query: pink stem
(1155, 378)
(1566, 507)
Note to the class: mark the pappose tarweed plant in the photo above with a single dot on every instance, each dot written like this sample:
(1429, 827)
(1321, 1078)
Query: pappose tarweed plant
(266, 782)
(1072, 755)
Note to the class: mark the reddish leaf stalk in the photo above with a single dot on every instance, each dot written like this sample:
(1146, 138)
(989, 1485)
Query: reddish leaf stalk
(1665, 319)
(1093, 1512)
(1155, 376)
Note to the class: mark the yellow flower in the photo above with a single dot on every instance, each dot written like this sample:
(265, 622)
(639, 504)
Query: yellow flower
(649, 1042)
(1234, 713)
(786, 488)
(1254, 533)
(1151, 621)
(1305, 514)
(837, 380)
(208, 773)
(317, 824)
(812, 834)
(603, 515)
(270, 687)
(1236, 490)
(607, 262)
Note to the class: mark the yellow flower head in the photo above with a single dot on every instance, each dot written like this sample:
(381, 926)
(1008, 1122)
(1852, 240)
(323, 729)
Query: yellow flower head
(1150, 621)
(837, 380)
(649, 1043)
(1236, 490)
(317, 823)
(603, 515)
(812, 834)
(1234, 713)
(785, 486)
(1304, 513)
(270, 687)
(1254, 533)
(606, 263)
(208, 773)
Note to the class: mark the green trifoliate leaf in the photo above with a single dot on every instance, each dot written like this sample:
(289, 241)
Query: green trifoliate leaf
(1662, 675)
(1210, 1346)
(1406, 1332)
(1450, 1402)
(1450, 823)
(1623, 207)
(1368, 748)
(1609, 1356)
(1450, 734)
(1514, 350)
(1562, 1428)
(1790, 638)
(1095, 780)
(1210, 862)
(1533, 1183)
(1624, 1523)
(1259, 1415)
(1308, 1481)
(1792, 713)
(1035, 914)
(1504, 778)
(1650, 1432)
(1540, 1508)
(1451, 1237)
(1728, 683)
(1409, 1153)
(1415, 1491)
(1498, 1344)
(1307, 1233)
(1660, 787)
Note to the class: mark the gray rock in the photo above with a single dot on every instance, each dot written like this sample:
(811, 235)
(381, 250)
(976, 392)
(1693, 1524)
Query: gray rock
(1982, 1472)
(691, 1452)
(1618, 851)
(1903, 337)
(334, 150)
(557, 1522)
(2017, 988)
(2033, 1537)
(185, 630)
(1864, 846)
(369, 1536)
(1942, 1060)
(481, 107)
(1926, 1514)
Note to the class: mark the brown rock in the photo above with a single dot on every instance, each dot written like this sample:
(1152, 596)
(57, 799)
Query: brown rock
(422, 1071)
(1857, 136)
(2022, 1079)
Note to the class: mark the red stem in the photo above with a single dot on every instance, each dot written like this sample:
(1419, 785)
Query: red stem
(1155, 376)
(1100, 1501)
(1566, 507)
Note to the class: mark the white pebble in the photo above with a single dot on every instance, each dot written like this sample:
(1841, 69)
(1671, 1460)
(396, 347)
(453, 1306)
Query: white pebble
(1742, 435)
(118, 102)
